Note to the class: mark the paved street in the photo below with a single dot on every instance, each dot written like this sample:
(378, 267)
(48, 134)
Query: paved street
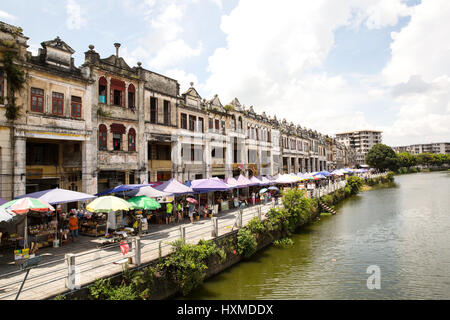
(92, 262)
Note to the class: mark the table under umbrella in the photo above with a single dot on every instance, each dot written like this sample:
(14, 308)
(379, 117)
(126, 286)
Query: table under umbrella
(25, 205)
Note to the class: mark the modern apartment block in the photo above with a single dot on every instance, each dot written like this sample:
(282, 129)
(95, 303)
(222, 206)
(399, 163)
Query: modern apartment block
(107, 123)
(360, 141)
(442, 147)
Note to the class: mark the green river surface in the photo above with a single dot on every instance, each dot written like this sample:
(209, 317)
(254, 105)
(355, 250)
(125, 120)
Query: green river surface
(403, 228)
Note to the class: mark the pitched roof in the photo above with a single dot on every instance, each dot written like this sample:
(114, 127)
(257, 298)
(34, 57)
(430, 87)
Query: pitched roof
(57, 43)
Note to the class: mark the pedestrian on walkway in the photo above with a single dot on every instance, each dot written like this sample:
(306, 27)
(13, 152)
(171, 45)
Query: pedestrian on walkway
(73, 227)
(169, 209)
(180, 211)
(191, 212)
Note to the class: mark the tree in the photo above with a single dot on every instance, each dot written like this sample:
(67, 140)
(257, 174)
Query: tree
(424, 159)
(382, 157)
(406, 160)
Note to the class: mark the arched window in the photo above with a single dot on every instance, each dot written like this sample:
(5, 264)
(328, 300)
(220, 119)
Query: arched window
(240, 123)
(233, 123)
(131, 140)
(131, 97)
(102, 137)
(102, 89)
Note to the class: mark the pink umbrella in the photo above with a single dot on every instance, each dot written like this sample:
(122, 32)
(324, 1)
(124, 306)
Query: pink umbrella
(192, 200)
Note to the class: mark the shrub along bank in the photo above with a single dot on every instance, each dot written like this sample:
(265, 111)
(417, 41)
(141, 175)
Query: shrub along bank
(188, 265)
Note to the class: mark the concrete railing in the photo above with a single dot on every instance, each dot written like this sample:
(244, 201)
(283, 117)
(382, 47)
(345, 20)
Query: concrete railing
(77, 270)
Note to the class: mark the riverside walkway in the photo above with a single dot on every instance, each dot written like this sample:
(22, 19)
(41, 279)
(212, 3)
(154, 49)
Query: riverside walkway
(79, 264)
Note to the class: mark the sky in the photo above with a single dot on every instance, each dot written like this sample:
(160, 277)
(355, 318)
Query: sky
(331, 66)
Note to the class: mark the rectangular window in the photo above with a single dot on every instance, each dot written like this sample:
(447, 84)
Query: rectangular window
(117, 97)
(183, 121)
(217, 124)
(2, 94)
(162, 152)
(76, 107)
(201, 127)
(37, 100)
(223, 126)
(117, 141)
(166, 112)
(41, 153)
(192, 121)
(210, 123)
(153, 110)
(57, 103)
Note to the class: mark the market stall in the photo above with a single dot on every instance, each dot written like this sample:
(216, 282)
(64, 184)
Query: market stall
(38, 211)
(113, 207)
(93, 224)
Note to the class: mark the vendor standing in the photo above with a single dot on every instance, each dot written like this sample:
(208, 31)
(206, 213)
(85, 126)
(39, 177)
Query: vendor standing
(73, 226)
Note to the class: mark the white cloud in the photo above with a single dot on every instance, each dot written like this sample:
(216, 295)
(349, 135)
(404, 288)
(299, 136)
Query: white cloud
(75, 15)
(274, 60)
(7, 16)
(184, 79)
(421, 48)
(164, 45)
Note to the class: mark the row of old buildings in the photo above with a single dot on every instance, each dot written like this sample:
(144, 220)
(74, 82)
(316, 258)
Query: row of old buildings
(106, 123)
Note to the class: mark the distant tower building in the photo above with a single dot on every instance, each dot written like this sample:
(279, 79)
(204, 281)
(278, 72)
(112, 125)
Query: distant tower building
(360, 141)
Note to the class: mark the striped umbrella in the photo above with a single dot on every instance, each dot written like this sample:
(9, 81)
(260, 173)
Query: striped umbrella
(24, 205)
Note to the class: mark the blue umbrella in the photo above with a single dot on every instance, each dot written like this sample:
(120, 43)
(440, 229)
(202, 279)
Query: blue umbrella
(263, 190)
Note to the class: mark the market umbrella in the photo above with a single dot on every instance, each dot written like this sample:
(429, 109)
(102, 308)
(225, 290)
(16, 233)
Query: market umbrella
(209, 185)
(124, 187)
(265, 181)
(174, 187)
(148, 192)
(108, 204)
(144, 203)
(254, 179)
(57, 196)
(263, 190)
(192, 200)
(5, 215)
(2, 201)
(25, 205)
(274, 188)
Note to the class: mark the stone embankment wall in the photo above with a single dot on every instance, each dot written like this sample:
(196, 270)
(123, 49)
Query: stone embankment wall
(162, 288)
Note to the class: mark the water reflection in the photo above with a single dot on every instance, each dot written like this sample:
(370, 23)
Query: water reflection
(402, 228)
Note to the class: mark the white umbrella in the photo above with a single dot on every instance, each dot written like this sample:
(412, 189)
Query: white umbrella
(148, 192)
(5, 215)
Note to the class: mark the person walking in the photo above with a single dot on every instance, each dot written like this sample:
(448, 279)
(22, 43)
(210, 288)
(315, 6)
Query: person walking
(191, 212)
(73, 227)
(169, 209)
(180, 212)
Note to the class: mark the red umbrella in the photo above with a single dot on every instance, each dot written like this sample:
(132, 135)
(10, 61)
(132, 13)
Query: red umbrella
(192, 200)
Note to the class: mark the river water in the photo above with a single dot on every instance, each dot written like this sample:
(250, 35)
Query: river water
(402, 230)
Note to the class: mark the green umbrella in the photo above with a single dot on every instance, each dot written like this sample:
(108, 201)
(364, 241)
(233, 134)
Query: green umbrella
(144, 203)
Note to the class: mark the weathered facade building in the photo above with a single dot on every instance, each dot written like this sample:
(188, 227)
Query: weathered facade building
(106, 123)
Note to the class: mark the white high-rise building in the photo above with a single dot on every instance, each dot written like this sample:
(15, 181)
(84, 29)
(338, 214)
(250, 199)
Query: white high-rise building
(360, 141)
